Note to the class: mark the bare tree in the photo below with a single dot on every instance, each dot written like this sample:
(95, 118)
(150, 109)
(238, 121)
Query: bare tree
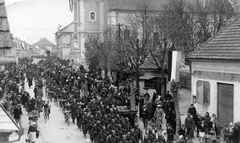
(136, 48)
(100, 47)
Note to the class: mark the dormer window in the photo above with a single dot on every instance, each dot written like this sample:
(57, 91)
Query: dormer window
(92, 16)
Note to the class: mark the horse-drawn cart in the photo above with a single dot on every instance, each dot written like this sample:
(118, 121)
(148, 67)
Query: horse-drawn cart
(130, 114)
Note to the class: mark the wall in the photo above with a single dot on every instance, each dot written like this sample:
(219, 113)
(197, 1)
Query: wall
(218, 67)
(115, 17)
(6, 52)
(89, 7)
(65, 52)
(49, 48)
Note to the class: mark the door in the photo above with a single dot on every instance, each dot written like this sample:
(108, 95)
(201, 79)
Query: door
(225, 103)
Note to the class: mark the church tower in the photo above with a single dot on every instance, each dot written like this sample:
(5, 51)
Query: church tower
(89, 18)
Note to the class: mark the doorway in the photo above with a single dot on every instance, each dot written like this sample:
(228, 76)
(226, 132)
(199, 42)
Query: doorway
(225, 103)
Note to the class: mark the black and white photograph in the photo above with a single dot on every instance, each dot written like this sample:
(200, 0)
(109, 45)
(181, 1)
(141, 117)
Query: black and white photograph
(119, 71)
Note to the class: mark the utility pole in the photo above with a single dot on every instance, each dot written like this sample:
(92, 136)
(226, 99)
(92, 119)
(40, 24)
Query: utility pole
(119, 34)
(120, 50)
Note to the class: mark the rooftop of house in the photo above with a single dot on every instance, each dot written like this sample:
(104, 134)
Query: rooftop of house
(132, 5)
(149, 64)
(223, 46)
(5, 35)
(44, 42)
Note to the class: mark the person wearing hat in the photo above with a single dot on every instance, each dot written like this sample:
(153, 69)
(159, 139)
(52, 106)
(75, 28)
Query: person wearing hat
(159, 116)
(33, 133)
(235, 134)
(112, 137)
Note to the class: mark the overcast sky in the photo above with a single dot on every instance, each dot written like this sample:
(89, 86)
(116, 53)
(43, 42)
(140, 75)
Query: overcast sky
(31, 20)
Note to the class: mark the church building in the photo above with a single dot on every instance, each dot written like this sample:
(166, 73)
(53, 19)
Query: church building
(93, 16)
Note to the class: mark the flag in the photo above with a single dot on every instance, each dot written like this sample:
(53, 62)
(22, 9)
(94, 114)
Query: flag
(169, 65)
(71, 5)
(175, 62)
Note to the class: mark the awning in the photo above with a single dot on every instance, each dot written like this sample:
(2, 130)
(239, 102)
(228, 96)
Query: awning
(8, 60)
(146, 77)
(7, 123)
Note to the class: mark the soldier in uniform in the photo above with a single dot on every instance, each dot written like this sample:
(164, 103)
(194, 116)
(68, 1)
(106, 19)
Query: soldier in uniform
(103, 135)
(96, 130)
(85, 124)
(112, 138)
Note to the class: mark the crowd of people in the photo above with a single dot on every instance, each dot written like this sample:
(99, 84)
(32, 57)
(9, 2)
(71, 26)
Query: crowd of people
(99, 107)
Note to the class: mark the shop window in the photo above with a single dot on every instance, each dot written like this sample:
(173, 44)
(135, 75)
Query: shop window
(203, 92)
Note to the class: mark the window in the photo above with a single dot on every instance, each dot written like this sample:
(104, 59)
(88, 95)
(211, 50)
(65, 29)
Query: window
(148, 84)
(203, 92)
(92, 16)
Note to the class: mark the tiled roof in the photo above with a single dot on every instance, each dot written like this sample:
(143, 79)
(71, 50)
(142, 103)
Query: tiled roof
(149, 64)
(223, 46)
(7, 123)
(43, 48)
(5, 35)
(44, 42)
(132, 4)
(68, 28)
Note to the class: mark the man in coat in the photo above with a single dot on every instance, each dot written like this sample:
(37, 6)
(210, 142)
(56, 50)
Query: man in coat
(17, 113)
(189, 124)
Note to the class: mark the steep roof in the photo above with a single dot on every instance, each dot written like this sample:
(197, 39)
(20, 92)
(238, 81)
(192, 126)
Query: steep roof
(5, 35)
(149, 64)
(132, 4)
(43, 48)
(223, 46)
(44, 42)
(67, 29)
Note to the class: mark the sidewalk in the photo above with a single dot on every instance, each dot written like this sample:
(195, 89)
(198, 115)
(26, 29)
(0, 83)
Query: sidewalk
(25, 124)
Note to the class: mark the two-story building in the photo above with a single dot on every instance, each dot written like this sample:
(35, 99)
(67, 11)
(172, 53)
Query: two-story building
(64, 44)
(45, 45)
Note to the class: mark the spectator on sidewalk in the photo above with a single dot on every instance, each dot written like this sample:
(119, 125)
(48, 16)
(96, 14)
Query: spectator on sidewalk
(235, 134)
(202, 129)
(215, 121)
(159, 114)
(170, 133)
(182, 132)
(226, 134)
(189, 124)
(17, 113)
(207, 120)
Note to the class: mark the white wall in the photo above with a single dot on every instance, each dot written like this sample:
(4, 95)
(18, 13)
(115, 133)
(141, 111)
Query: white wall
(222, 68)
(65, 52)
